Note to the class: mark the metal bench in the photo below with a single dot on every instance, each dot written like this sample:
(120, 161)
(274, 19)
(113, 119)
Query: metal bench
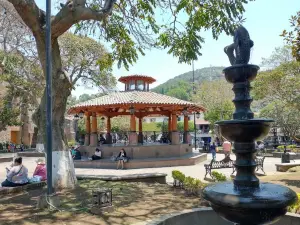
(229, 163)
(225, 163)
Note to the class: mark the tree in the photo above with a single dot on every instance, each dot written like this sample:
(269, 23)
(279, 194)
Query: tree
(280, 84)
(293, 37)
(131, 27)
(278, 56)
(287, 118)
(216, 97)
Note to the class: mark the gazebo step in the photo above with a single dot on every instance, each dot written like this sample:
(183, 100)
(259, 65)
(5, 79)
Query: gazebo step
(187, 160)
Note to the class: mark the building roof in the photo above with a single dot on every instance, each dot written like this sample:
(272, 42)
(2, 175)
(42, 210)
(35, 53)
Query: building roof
(148, 79)
(119, 99)
(202, 122)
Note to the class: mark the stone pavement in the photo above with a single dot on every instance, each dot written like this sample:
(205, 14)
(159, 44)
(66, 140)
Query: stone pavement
(196, 171)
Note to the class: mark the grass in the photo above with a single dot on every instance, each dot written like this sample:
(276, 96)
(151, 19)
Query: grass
(133, 202)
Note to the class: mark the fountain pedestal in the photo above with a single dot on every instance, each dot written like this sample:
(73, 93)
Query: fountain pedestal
(246, 201)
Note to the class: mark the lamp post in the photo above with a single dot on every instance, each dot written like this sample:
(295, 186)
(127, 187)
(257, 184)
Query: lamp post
(194, 91)
(49, 98)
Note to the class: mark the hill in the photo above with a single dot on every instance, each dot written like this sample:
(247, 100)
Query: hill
(181, 85)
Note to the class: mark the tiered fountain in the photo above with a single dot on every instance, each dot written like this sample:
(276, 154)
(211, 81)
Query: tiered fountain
(246, 201)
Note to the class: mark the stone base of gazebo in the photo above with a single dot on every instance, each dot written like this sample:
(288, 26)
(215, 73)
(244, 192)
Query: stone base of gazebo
(186, 160)
(139, 151)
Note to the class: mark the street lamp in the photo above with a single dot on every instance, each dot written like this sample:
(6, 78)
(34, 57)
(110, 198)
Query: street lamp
(198, 115)
(76, 117)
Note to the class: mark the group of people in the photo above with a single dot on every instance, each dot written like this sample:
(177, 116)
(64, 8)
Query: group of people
(226, 149)
(17, 174)
(121, 158)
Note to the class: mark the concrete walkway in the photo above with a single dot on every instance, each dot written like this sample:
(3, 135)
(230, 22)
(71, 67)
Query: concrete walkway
(196, 171)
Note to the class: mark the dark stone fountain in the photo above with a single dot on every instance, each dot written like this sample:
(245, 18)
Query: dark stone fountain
(246, 201)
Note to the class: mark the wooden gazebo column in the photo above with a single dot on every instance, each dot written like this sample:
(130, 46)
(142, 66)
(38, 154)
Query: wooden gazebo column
(140, 137)
(170, 127)
(132, 135)
(94, 133)
(87, 129)
(185, 129)
(175, 134)
(108, 129)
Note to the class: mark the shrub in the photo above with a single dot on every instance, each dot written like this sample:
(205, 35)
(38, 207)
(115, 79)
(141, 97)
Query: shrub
(177, 175)
(192, 185)
(294, 169)
(295, 208)
(280, 148)
(71, 143)
(219, 177)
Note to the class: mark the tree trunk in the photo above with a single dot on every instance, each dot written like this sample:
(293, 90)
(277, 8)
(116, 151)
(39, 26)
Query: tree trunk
(63, 172)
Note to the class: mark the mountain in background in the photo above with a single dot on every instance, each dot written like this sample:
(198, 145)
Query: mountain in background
(181, 86)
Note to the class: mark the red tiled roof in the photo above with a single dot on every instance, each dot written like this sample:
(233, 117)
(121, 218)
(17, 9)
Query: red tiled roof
(135, 97)
(125, 79)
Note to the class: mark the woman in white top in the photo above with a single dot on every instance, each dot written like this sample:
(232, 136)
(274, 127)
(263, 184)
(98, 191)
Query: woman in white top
(97, 155)
(17, 175)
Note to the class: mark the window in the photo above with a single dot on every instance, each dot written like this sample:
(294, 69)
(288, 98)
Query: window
(140, 85)
(190, 118)
(132, 85)
(153, 120)
(144, 120)
(179, 118)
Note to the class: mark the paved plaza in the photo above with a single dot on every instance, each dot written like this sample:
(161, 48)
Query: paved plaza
(196, 171)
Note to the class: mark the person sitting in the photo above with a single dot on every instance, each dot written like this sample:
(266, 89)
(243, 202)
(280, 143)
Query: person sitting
(17, 175)
(40, 170)
(97, 154)
(122, 157)
(76, 155)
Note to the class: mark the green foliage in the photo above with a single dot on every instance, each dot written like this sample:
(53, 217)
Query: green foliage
(280, 84)
(192, 185)
(181, 86)
(218, 177)
(293, 37)
(177, 175)
(135, 26)
(295, 208)
(71, 143)
(295, 169)
(216, 96)
(280, 148)
(286, 117)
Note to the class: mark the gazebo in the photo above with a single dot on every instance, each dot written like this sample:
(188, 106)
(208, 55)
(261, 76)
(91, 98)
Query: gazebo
(136, 101)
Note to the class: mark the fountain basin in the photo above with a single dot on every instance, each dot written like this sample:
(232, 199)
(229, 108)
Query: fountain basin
(206, 216)
(245, 130)
(264, 205)
(233, 73)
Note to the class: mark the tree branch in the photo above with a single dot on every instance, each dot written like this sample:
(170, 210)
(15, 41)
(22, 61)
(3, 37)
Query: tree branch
(67, 17)
(30, 13)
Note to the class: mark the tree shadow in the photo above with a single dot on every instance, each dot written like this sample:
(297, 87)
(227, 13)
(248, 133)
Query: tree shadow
(291, 183)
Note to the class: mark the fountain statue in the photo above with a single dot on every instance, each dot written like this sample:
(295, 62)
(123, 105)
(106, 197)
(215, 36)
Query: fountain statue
(246, 201)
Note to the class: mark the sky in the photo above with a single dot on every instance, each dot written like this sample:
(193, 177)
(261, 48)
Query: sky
(265, 21)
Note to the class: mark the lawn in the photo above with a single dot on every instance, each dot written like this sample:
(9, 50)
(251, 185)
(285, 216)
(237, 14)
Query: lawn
(133, 202)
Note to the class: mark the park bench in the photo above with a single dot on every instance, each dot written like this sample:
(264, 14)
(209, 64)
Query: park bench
(228, 163)
(225, 163)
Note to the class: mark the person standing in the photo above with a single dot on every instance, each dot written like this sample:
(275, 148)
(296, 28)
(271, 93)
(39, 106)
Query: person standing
(226, 148)
(213, 150)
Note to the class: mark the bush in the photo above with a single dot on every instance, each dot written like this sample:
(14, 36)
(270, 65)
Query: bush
(177, 175)
(294, 169)
(71, 143)
(192, 185)
(295, 208)
(280, 148)
(218, 177)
